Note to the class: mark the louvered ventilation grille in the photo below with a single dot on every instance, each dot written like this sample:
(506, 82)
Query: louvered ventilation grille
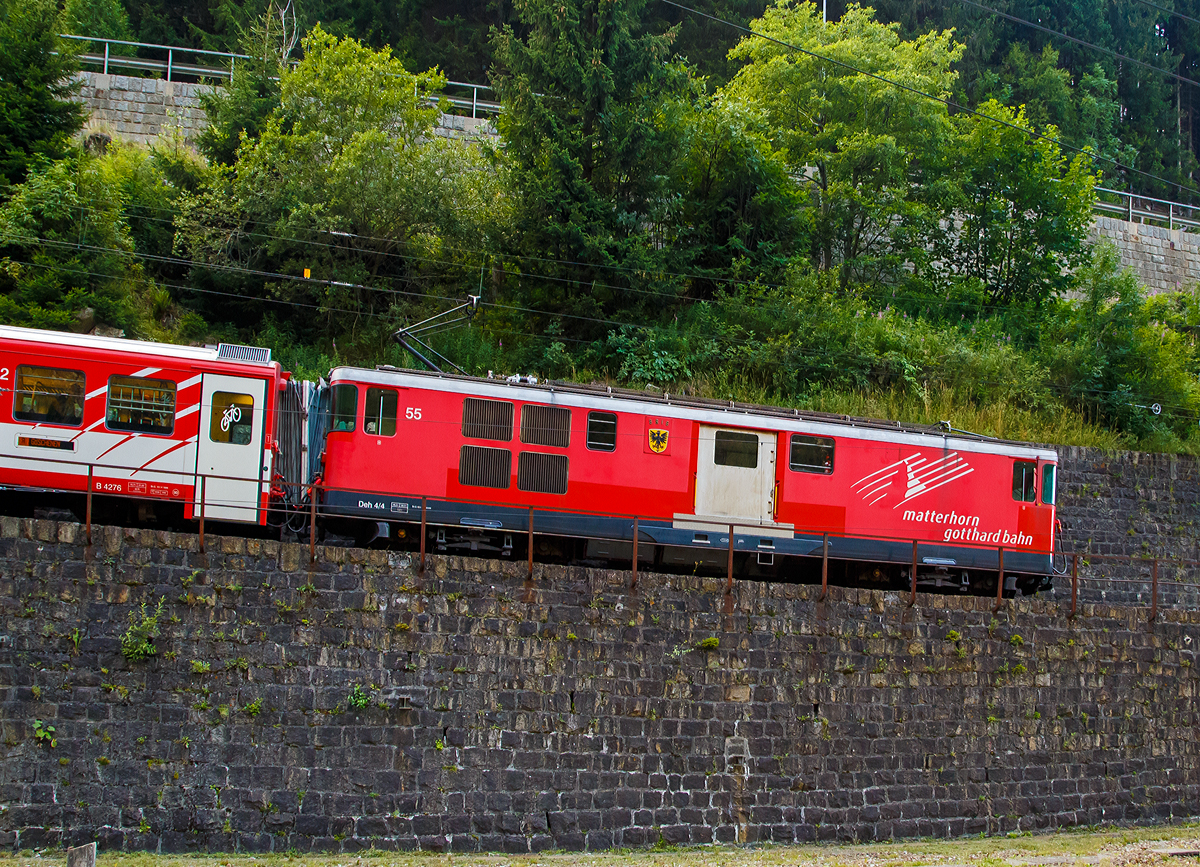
(236, 352)
(485, 468)
(487, 419)
(546, 426)
(542, 474)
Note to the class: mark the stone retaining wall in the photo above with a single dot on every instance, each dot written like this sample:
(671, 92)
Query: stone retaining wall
(354, 703)
(1164, 260)
(150, 110)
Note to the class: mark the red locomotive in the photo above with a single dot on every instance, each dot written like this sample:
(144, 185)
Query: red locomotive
(582, 462)
(480, 459)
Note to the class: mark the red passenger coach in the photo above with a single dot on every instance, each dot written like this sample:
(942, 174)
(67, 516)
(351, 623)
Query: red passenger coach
(154, 421)
(583, 462)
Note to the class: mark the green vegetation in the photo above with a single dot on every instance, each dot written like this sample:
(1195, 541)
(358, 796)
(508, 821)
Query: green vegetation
(44, 734)
(755, 223)
(137, 643)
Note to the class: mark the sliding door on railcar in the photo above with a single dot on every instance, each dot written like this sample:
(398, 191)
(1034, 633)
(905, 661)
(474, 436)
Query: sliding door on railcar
(229, 451)
(735, 474)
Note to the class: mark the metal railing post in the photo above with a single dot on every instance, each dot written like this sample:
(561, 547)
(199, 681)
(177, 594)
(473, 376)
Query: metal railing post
(202, 479)
(312, 524)
(1170, 215)
(912, 592)
(824, 565)
(422, 535)
(474, 100)
(1129, 207)
(635, 553)
(106, 46)
(1074, 583)
(88, 513)
(999, 582)
(729, 577)
(531, 541)
(1153, 589)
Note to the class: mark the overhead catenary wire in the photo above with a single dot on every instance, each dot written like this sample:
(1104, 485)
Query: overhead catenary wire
(808, 353)
(1060, 34)
(1169, 11)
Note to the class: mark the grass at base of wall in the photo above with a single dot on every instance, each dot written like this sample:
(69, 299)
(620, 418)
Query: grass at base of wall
(1109, 847)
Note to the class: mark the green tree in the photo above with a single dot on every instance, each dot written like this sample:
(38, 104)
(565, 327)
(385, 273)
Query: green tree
(106, 18)
(590, 127)
(738, 208)
(1023, 212)
(349, 180)
(1116, 353)
(873, 154)
(66, 250)
(37, 116)
(241, 109)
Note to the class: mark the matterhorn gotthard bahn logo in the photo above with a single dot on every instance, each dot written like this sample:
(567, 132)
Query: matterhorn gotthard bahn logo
(910, 478)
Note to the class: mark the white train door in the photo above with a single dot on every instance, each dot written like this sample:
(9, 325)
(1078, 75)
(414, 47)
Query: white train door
(229, 451)
(735, 474)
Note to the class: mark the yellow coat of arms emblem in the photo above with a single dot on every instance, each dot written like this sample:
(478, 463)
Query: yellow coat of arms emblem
(657, 439)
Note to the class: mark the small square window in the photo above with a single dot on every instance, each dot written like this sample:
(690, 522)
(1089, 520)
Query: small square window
(734, 449)
(602, 431)
(231, 419)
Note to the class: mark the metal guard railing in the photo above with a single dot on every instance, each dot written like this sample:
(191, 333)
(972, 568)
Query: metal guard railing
(462, 96)
(313, 490)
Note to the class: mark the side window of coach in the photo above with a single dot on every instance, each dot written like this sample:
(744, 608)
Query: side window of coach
(1024, 480)
(48, 395)
(343, 407)
(379, 417)
(811, 454)
(140, 405)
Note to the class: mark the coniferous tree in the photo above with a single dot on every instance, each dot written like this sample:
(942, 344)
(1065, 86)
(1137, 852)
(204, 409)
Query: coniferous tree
(37, 116)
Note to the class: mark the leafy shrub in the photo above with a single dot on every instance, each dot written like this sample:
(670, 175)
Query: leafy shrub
(137, 644)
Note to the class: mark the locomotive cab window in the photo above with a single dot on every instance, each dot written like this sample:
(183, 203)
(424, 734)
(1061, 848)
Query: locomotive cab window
(48, 395)
(602, 431)
(734, 449)
(1048, 484)
(232, 418)
(811, 454)
(140, 405)
(1024, 481)
(379, 418)
(343, 407)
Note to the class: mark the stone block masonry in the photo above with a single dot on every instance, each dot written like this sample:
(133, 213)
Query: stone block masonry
(153, 111)
(353, 703)
(1130, 504)
(1164, 260)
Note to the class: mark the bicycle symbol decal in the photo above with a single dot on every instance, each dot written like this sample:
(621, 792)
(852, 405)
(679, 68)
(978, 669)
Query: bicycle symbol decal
(231, 416)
